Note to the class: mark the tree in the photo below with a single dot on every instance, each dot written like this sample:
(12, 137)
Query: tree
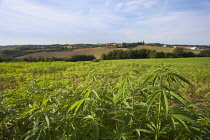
(103, 57)
(189, 54)
(178, 52)
(170, 55)
(160, 55)
(76, 58)
(152, 54)
(205, 53)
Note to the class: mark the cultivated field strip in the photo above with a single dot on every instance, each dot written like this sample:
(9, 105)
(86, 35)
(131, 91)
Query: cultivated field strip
(118, 99)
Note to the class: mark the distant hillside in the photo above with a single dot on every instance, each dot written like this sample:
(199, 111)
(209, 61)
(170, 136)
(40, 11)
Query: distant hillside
(158, 49)
(84, 51)
(96, 51)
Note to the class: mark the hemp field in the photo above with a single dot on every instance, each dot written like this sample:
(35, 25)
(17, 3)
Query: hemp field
(118, 99)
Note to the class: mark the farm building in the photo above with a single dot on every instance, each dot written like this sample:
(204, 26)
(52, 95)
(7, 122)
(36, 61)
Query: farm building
(194, 48)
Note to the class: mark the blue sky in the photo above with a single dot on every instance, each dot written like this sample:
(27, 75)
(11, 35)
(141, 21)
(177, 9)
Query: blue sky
(104, 21)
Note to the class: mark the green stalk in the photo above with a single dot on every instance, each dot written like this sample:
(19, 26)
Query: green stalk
(159, 110)
(158, 118)
(132, 102)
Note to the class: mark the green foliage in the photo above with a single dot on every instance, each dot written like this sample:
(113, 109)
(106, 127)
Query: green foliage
(145, 53)
(76, 58)
(178, 51)
(205, 53)
(107, 100)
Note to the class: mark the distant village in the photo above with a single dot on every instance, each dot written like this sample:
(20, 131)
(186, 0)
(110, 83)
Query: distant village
(130, 45)
(20, 50)
(107, 45)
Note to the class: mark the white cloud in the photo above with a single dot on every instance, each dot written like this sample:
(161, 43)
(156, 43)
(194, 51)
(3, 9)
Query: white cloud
(106, 20)
(28, 15)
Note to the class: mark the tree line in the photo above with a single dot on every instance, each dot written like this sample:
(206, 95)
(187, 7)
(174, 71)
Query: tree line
(116, 54)
(74, 58)
(146, 53)
(132, 45)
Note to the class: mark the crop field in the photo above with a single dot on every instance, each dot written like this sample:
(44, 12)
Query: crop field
(84, 51)
(97, 52)
(158, 49)
(114, 99)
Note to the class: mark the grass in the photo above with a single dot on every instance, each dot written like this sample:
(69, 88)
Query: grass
(9, 48)
(97, 52)
(158, 49)
(85, 51)
(118, 99)
(163, 49)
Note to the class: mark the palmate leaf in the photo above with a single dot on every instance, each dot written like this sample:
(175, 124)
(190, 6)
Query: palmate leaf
(34, 133)
(89, 117)
(117, 96)
(86, 131)
(157, 75)
(44, 103)
(180, 77)
(96, 131)
(47, 121)
(30, 111)
(163, 130)
(96, 94)
(154, 79)
(143, 130)
(173, 123)
(164, 101)
(181, 119)
(137, 72)
(152, 99)
(106, 98)
(181, 122)
(76, 105)
(146, 79)
(87, 94)
(184, 118)
(152, 127)
(129, 81)
(120, 92)
(177, 97)
(93, 125)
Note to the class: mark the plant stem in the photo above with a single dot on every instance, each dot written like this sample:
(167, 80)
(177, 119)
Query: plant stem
(158, 118)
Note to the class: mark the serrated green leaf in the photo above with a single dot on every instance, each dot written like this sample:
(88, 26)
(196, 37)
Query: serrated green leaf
(151, 100)
(144, 130)
(179, 98)
(106, 98)
(180, 77)
(89, 117)
(164, 100)
(76, 105)
(181, 121)
(96, 131)
(146, 79)
(47, 121)
(30, 111)
(96, 94)
(184, 118)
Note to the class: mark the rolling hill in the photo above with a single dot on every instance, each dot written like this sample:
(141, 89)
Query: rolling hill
(97, 51)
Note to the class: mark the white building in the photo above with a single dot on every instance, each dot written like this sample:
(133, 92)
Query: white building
(193, 48)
